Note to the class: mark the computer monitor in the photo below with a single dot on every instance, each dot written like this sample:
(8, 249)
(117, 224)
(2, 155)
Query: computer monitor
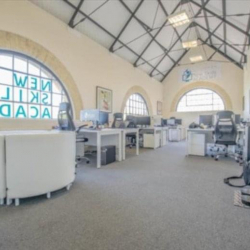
(206, 120)
(237, 119)
(94, 115)
(165, 122)
(171, 122)
(178, 121)
(143, 120)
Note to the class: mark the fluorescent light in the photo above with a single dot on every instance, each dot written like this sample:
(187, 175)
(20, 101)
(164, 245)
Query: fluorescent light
(190, 44)
(179, 19)
(196, 59)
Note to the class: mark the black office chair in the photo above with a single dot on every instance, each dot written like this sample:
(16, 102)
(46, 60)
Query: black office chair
(118, 121)
(66, 123)
(225, 134)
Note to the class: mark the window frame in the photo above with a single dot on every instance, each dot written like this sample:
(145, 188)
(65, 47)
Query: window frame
(42, 67)
(135, 105)
(200, 88)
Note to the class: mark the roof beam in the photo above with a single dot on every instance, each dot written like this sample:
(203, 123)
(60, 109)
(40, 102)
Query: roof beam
(223, 54)
(189, 26)
(147, 29)
(71, 22)
(206, 20)
(107, 32)
(215, 52)
(177, 62)
(222, 19)
(157, 33)
(126, 24)
(245, 43)
(166, 13)
(224, 10)
(213, 34)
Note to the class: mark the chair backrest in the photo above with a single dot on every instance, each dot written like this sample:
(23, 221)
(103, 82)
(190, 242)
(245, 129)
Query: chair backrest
(118, 121)
(225, 128)
(65, 120)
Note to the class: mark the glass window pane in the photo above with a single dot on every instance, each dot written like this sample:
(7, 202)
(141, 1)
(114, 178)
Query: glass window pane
(6, 61)
(20, 64)
(6, 76)
(34, 69)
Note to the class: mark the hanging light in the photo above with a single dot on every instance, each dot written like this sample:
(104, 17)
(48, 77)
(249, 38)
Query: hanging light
(190, 44)
(179, 19)
(196, 59)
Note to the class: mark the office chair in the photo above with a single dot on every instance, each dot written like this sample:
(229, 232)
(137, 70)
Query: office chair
(118, 121)
(225, 134)
(66, 123)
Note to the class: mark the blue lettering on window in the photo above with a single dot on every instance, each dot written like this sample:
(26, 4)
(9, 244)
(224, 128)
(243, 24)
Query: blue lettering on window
(7, 94)
(20, 112)
(35, 97)
(46, 86)
(46, 113)
(20, 82)
(5, 110)
(33, 83)
(36, 112)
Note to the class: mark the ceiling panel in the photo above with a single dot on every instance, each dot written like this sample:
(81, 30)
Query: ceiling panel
(113, 15)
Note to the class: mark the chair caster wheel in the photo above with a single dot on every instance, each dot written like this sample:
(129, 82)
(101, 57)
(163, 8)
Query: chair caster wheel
(216, 159)
(87, 162)
(212, 156)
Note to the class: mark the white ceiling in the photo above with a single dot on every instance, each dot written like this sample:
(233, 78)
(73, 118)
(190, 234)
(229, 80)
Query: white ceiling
(138, 31)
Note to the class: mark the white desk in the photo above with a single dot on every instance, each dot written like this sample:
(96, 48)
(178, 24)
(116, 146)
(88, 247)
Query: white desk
(208, 132)
(104, 137)
(2, 171)
(124, 134)
(37, 162)
(164, 136)
(151, 137)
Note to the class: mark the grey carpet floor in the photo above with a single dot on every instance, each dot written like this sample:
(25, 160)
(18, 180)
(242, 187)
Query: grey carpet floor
(160, 200)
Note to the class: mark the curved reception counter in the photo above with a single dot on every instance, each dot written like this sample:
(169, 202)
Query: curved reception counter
(33, 163)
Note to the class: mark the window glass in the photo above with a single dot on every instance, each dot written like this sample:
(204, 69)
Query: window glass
(200, 100)
(28, 89)
(136, 105)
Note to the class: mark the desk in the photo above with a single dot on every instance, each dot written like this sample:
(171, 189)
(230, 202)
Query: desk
(124, 133)
(164, 136)
(176, 133)
(37, 162)
(208, 133)
(103, 137)
(152, 137)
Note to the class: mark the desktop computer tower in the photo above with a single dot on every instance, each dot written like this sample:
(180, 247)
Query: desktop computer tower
(108, 155)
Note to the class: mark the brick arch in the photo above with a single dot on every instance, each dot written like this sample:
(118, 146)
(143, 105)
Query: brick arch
(205, 85)
(143, 93)
(26, 46)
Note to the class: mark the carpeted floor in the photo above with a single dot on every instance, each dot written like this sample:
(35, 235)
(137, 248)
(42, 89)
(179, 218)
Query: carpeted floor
(160, 200)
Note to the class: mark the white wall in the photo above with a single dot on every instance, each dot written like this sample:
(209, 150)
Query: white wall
(89, 64)
(231, 81)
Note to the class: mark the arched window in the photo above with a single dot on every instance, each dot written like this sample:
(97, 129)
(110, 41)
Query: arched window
(136, 105)
(28, 89)
(200, 100)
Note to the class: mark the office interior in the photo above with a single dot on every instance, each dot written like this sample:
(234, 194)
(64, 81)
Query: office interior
(120, 123)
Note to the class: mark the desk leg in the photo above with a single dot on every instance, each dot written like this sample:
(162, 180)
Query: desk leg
(137, 142)
(98, 148)
(187, 144)
(155, 139)
(123, 145)
(120, 146)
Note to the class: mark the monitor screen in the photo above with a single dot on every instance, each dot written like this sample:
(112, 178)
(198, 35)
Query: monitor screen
(206, 120)
(103, 118)
(95, 116)
(171, 122)
(237, 119)
(143, 120)
(178, 121)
